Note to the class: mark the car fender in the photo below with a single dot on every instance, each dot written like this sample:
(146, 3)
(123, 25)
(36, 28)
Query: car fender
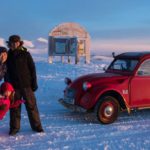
(102, 91)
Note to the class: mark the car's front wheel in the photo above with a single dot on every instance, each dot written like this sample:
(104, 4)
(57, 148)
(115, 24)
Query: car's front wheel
(108, 110)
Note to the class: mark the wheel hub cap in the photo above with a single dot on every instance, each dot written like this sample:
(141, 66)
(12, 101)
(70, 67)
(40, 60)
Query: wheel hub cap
(108, 111)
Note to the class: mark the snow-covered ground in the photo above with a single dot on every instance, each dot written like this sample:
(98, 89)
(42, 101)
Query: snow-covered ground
(65, 130)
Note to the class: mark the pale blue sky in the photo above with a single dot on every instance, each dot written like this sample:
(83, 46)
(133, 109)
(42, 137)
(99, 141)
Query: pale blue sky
(103, 19)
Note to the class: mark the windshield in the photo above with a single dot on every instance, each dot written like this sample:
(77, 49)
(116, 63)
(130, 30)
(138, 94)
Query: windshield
(127, 65)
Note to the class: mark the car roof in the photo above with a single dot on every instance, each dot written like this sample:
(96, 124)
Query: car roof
(133, 55)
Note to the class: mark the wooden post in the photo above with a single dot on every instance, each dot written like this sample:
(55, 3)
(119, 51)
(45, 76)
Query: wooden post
(50, 59)
(62, 59)
(69, 60)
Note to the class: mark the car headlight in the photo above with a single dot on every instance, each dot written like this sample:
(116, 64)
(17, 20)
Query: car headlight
(68, 81)
(86, 86)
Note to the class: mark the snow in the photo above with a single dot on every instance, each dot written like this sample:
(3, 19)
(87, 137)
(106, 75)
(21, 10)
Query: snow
(65, 130)
(2, 42)
(40, 39)
(28, 44)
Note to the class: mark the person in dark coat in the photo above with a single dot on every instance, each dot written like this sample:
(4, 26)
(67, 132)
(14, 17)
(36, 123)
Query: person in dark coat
(21, 73)
(3, 58)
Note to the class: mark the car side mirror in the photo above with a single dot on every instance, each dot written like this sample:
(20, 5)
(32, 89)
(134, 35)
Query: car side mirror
(113, 54)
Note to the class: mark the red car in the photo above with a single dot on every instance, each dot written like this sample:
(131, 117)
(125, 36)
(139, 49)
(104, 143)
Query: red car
(125, 85)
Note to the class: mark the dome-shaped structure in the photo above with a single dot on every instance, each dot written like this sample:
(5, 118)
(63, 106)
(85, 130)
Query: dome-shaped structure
(69, 39)
(69, 29)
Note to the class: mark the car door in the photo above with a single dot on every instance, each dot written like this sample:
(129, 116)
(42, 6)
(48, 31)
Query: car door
(140, 86)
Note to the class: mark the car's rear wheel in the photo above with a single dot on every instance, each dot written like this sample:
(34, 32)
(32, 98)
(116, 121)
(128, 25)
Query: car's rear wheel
(108, 110)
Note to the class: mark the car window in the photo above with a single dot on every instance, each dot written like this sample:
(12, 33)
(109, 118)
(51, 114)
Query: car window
(124, 64)
(144, 69)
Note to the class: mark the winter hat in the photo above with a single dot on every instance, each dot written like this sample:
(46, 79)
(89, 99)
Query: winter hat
(3, 49)
(6, 86)
(14, 38)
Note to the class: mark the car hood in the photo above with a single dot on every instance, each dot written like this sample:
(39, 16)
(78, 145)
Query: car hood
(97, 78)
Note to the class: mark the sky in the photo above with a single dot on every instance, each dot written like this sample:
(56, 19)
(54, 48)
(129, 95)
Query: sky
(112, 25)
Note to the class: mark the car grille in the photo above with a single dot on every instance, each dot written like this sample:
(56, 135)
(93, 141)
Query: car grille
(70, 93)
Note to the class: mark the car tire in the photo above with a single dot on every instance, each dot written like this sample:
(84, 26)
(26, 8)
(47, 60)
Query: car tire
(107, 110)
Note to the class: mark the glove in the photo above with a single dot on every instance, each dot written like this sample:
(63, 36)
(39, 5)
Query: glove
(17, 103)
(34, 88)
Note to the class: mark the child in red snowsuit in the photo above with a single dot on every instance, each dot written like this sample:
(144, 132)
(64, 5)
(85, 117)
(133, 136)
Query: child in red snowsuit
(6, 99)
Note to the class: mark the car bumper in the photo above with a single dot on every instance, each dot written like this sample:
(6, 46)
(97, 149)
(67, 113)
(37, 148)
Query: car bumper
(71, 106)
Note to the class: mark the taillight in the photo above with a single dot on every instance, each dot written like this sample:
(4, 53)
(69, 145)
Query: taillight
(86, 86)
